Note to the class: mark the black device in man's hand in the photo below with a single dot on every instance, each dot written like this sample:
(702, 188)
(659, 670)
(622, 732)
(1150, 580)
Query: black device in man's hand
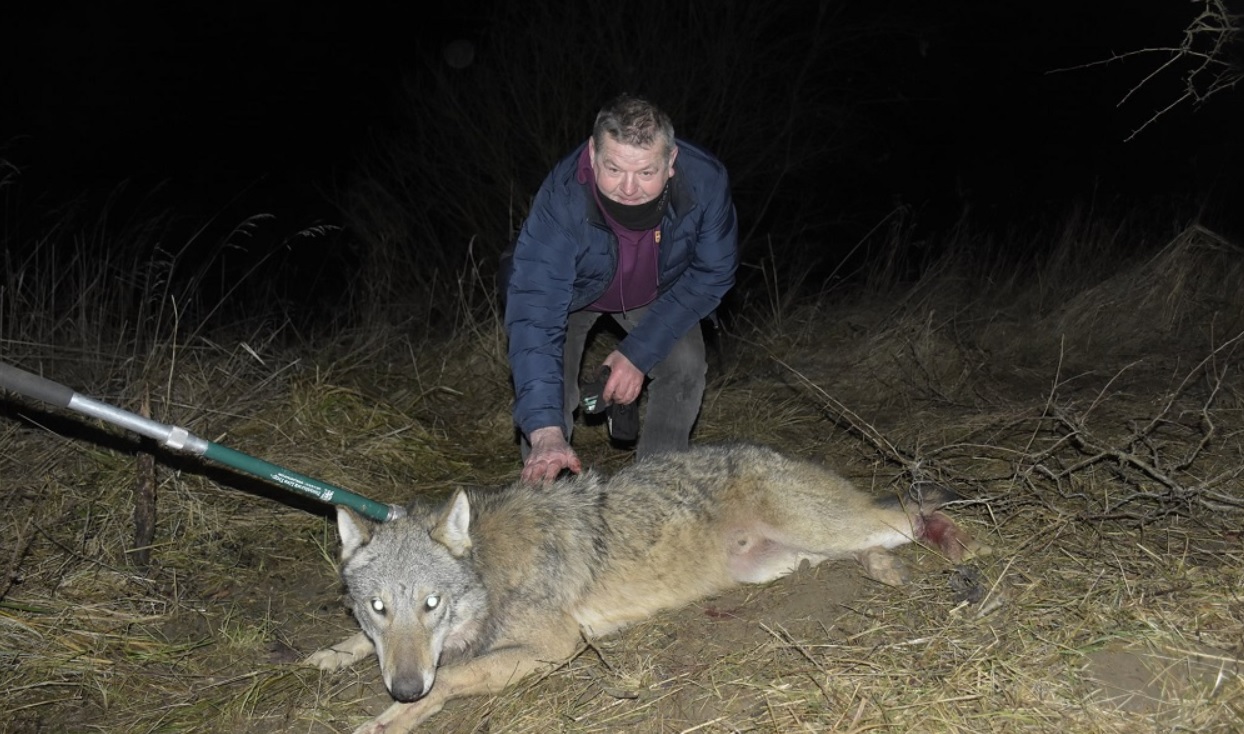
(623, 420)
(590, 392)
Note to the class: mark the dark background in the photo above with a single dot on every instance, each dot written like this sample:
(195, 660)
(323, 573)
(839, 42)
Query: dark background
(268, 103)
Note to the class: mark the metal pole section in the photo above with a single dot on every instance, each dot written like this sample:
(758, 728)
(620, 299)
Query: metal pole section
(179, 439)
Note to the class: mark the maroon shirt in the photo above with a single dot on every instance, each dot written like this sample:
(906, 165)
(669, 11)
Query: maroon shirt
(635, 282)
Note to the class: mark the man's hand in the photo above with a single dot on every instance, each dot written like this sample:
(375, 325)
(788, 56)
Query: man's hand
(550, 454)
(625, 380)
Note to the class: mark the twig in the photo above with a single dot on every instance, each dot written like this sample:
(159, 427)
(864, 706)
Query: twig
(855, 423)
(20, 548)
(1204, 47)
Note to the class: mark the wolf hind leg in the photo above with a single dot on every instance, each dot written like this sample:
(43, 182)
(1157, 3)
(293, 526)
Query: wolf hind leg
(950, 539)
(753, 556)
(345, 653)
(881, 565)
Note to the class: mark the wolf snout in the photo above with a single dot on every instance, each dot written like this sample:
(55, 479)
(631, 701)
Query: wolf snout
(410, 688)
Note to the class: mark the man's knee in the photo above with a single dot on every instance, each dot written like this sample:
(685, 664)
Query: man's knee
(686, 361)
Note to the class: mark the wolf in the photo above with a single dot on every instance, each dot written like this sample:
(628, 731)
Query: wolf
(467, 597)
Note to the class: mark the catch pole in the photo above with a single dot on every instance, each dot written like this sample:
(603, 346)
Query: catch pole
(25, 383)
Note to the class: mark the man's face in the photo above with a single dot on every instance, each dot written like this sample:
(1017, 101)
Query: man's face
(630, 175)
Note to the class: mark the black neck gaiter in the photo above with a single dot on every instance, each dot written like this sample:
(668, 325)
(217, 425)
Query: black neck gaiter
(636, 217)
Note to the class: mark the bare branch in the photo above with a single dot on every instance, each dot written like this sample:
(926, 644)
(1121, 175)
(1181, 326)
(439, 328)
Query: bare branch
(1201, 59)
(1203, 53)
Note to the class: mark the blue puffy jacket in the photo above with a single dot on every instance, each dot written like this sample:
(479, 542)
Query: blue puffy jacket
(565, 257)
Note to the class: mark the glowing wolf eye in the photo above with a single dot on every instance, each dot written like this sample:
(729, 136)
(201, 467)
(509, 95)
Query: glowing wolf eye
(377, 606)
(432, 602)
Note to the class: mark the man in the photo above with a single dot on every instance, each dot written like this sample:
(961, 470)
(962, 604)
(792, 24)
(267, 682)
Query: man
(637, 226)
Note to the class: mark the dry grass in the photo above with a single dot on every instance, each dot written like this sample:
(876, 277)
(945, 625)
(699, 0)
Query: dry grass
(1078, 386)
(1103, 471)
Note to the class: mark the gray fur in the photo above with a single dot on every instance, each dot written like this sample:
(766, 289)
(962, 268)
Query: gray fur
(467, 597)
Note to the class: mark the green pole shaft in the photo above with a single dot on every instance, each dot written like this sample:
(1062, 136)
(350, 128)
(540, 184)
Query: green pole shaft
(179, 439)
(299, 483)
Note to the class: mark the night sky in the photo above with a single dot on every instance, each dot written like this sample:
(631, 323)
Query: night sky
(215, 96)
(209, 95)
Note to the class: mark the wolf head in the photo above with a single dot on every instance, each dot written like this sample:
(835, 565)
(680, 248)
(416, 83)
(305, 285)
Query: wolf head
(413, 590)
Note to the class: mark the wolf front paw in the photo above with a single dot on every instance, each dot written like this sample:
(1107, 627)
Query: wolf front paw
(345, 653)
(375, 726)
(329, 659)
(400, 718)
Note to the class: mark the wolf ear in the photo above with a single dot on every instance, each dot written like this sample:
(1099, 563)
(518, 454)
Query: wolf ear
(454, 528)
(355, 532)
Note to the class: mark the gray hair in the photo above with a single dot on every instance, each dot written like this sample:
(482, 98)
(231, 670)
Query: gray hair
(633, 121)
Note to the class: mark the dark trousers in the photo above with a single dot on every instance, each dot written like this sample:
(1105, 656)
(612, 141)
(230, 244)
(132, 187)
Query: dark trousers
(675, 386)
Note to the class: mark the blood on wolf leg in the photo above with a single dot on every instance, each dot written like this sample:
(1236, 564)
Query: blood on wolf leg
(947, 537)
